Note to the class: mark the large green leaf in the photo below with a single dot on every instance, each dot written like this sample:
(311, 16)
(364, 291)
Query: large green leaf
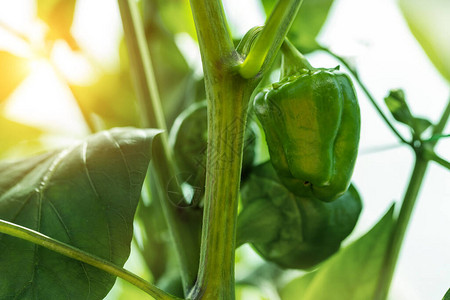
(85, 196)
(351, 274)
(429, 21)
(58, 14)
(298, 287)
(310, 19)
(13, 70)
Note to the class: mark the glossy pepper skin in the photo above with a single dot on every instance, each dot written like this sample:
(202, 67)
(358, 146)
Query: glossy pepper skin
(312, 126)
(291, 231)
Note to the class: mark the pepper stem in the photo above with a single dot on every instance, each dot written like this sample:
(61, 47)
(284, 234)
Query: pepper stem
(293, 62)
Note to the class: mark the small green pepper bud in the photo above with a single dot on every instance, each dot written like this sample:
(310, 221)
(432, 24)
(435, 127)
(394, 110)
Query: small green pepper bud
(311, 120)
(294, 232)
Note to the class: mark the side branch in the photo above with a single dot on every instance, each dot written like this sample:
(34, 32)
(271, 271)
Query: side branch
(271, 38)
(80, 255)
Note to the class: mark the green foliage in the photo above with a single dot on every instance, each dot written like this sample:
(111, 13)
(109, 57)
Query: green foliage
(396, 102)
(85, 196)
(298, 287)
(294, 232)
(351, 274)
(429, 21)
(307, 24)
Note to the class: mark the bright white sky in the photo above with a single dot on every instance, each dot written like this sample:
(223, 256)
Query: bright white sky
(372, 34)
(375, 37)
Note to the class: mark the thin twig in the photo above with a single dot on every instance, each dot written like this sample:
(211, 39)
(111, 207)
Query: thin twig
(366, 91)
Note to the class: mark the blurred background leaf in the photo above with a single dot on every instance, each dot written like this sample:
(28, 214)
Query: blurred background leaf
(177, 16)
(111, 96)
(307, 24)
(18, 139)
(351, 274)
(58, 15)
(298, 287)
(429, 21)
(13, 69)
(177, 84)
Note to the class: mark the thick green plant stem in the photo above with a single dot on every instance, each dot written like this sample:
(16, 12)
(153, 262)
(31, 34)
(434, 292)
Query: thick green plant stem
(181, 223)
(227, 119)
(227, 95)
(80, 255)
(272, 36)
(409, 200)
(368, 94)
(216, 45)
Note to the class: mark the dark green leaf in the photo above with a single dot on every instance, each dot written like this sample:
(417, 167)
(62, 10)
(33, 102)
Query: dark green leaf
(447, 295)
(398, 107)
(396, 102)
(13, 70)
(155, 246)
(420, 125)
(310, 19)
(352, 273)
(294, 232)
(429, 21)
(85, 196)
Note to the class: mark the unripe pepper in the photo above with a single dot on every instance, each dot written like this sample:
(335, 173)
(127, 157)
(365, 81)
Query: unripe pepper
(294, 232)
(311, 120)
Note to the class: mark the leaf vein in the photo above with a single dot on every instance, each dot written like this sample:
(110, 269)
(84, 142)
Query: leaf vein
(91, 182)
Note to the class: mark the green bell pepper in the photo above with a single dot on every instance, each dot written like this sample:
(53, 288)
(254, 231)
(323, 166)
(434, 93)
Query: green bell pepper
(312, 124)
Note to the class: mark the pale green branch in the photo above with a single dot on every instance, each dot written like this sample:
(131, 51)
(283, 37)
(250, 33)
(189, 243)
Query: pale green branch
(271, 38)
